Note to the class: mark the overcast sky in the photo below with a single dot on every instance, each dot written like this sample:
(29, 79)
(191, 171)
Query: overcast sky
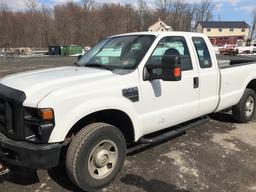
(224, 9)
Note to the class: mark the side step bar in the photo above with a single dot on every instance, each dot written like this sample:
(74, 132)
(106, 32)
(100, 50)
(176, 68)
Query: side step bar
(181, 129)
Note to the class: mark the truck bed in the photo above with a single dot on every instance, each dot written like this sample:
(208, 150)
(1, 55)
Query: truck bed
(234, 78)
(229, 61)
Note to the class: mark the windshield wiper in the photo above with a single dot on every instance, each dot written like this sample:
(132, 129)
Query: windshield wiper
(99, 66)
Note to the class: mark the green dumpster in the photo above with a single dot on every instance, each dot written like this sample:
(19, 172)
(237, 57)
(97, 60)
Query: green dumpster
(71, 50)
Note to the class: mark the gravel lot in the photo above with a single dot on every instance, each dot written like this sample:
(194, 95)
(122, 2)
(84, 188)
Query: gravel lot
(215, 157)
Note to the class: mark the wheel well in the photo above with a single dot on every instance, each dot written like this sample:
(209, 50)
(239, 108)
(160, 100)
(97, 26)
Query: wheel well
(114, 117)
(252, 85)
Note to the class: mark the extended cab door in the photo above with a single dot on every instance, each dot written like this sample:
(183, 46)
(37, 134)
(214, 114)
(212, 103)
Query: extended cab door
(209, 75)
(164, 104)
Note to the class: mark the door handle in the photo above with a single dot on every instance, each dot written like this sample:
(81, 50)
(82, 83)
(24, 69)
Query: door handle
(196, 82)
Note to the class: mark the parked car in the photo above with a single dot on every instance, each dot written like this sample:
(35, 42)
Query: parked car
(119, 93)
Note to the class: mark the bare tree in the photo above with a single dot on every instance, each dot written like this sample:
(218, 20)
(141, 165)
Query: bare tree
(87, 4)
(164, 7)
(86, 23)
(3, 6)
(31, 5)
(181, 15)
(142, 8)
(5, 16)
(179, 9)
(204, 11)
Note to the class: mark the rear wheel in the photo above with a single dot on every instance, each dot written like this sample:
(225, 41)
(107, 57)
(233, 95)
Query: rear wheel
(244, 111)
(95, 156)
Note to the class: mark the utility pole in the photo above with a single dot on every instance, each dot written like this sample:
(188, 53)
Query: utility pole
(219, 17)
(253, 27)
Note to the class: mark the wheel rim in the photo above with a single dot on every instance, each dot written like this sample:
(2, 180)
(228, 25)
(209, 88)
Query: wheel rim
(103, 159)
(249, 106)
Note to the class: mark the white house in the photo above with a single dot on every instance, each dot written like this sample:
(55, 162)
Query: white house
(159, 26)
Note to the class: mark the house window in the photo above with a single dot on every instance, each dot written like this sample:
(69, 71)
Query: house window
(243, 30)
(231, 30)
(208, 30)
(220, 30)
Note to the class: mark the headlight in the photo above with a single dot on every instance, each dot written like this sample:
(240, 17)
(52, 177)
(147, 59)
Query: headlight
(38, 124)
(35, 114)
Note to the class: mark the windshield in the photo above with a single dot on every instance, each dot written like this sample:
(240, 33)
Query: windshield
(123, 52)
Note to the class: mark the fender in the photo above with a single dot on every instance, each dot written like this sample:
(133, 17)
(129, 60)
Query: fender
(249, 80)
(245, 85)
(65, 121)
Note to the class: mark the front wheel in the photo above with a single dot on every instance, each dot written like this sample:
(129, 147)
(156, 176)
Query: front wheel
(95, 156)
(244, 111)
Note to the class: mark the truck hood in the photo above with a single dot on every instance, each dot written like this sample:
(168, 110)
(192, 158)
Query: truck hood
(38, 84)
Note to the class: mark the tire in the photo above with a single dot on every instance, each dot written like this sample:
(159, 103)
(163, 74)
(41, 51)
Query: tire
(95, 156)
(244, 111)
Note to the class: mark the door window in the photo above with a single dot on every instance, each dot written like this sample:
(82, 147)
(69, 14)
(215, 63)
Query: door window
(202, 52)
(174, 46)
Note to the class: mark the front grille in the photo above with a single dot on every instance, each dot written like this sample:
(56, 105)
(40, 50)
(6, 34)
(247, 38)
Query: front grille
(6, 117)
(11, 112)
(2, 115)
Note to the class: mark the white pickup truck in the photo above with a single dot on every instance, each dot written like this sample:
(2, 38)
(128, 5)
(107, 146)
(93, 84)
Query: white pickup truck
(120, 92)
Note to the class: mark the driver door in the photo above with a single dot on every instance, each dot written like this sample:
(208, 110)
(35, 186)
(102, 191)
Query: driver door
(168, 103)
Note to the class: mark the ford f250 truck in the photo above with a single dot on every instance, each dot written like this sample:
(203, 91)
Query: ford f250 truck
(119, 93)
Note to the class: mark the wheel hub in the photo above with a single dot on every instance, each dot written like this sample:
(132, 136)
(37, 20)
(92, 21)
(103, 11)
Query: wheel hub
(249, 106)
(101, 158)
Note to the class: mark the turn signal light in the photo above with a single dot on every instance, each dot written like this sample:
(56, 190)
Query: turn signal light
(177, 72)
(47, 114)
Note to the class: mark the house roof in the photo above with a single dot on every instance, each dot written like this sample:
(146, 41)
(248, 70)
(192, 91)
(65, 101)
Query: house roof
(162, 23)
(223, 24)
(166, 27)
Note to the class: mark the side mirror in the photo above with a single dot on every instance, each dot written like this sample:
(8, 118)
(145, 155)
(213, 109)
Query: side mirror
(168, 70)
(79, 57)
(171, 68)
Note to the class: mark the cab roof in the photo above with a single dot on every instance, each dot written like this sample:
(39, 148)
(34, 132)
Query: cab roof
(160, 33)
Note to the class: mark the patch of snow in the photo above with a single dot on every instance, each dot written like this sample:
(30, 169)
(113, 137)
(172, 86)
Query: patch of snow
(179, 161)
(252, 188)
(76, 55)
(245, 133)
